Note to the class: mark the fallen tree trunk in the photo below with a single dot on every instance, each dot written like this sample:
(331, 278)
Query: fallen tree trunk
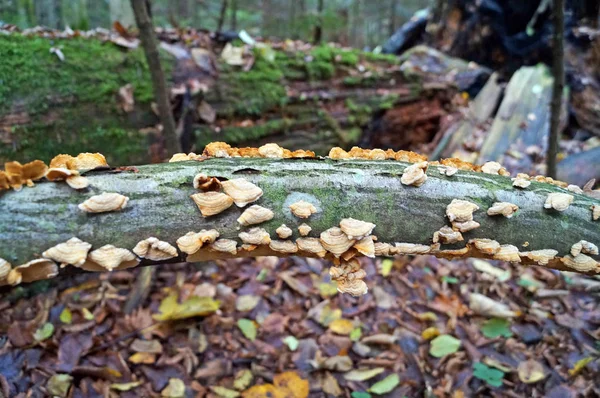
(38, 218)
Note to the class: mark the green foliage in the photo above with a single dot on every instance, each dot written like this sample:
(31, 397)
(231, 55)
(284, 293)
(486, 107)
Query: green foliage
(386, 385)
(496, 327)
(444, 345)
(491, 376)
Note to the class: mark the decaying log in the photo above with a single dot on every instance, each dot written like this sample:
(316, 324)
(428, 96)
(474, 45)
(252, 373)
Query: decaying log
(409, 204)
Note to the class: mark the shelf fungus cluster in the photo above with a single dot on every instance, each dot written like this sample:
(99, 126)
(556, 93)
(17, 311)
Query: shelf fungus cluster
(103, 203)
(460, 213)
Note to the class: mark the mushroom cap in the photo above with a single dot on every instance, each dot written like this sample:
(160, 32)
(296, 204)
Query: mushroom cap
(521, 182)
(338, 153)
(283, 246)
(206, 183)
(558, 201)
(191, 242)
(366, 246)
(303, 209)
(583, 246)
(575, 189)
(271, 151)
(410, 248)
(356, 229)
(217, 150)
(311, 245)
(409, 156)
(382, 249)
(155, 250)
(35, 270)
(74, 251)
(4, 270)
(304, 229)
(179, 157)
(335, 241)
(224, 246)
(301, 153)
(242, 191)
(86, 161)
(460, 164)
(595, 212)
(541, 257)
(77, 182)
(107, 201)
(581, 263)
(493, 168)
(466, 226)
(34, 170)
(255, 214)
(486, 246)
(415, 174)
(505, 209)
(211, 203)
(60, 173)
(60, 161)
(448, 170)
(284, 231)
(508, 253)
(255, 236)
(110, 258)
(4, 181)
(356, 287)
(460, 210)
(447, 235)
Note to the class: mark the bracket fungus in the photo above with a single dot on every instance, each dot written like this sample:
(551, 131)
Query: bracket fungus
(460, 210)
(303, 209)
(212, 203)
(486, 246)
(15, 174)
(583, 246)
(74, 252)
(255, 236)
(35, 270)
(191, 242)
(224, 246)
(349, 277)
(83, 161)
(366, 246)
(581, 263)
(311, 245)
(575, 189)
(409, 248)
(595, 212)
(448, 171)
(110, 258)
(105, 202)
(466, 226)
(356, 229)
(206, 183)
(415, 174)
(494, 168)
(382, 249)
(4, 271)
(155, 250)
(255, 214)
(505, 209)
(540, 257)
(242, 191)
(521, 181)
(508, 253)
(335, 241)
(558, 201)
(271, 151)
(283, 246)
(304, 229)
(284, 231)
(447, 235)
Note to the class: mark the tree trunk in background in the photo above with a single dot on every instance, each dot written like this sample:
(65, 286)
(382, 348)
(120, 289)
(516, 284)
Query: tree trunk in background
(120, 10)
(355, 25)
(559, 83)
(292, 20)
(222, 15)
(161, 93)
(234, 9)
(368, 190)
(392, 26)
(318, 35)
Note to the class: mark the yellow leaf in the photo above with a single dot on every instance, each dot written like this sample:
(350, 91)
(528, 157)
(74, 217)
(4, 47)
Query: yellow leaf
(262, 391)
(175, 389)
(329, 315)
(142, 357)
(430, 333)
(427, 316)
(224, 392)
(243, 379)
(386, 267)
(125, 386)
(286, 385)
(579, 365)
(66, 316)
(341, 326)
(328, 289)
(194, 306)
(87, 314)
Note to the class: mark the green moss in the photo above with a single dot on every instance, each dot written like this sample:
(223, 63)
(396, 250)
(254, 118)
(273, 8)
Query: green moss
(350, 58)
(320, 70)
(385, 58)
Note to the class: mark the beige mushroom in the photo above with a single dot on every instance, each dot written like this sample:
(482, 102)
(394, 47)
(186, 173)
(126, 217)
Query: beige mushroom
(104, 202)
(338, 153)
(356, 229)
(110, 258)
(382, 249)
(155, 250)
(60, 173)
(179, 157)
(242, 191)
(415, 174)
(581, 263)
(575, 189)
(486, 246)
(77, 182)
(505, 209)
(4, 270)
(224, 246)
(335, 241)
(191, 242)
(595, 212)
(540, 257)
(410, 248)
(211, 203)
(303, 209)
(448, 171)
(255, 214)
(283, 246)
(74, 251)
(284, 231)
(255, 236)
(311, 245)
(355, 288)
(366, 246)
(494, 168)
(508, 253)
(447, 235)
(304, 229)
(35, 270)
(521, 182)
(558, 201)
(271, 151)
(466, 226)
(583, 246)
(461, 210)
(206, 183)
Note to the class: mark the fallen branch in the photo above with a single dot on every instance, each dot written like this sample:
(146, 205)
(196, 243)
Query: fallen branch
(536, 223)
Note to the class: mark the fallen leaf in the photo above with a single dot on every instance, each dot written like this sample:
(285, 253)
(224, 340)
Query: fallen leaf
(491, 376)
(530, 371)
(59, 384)
(224, 392)
(494, 363)
(66, 316)
(233, 55)
(363, 374)
(246, 302)
(485, 306)
(386, 267)
(125, 386)
(44, 332)
(294, 283)
(87, 315)
(383, 299)
(487, 268)
(175, 389)
(261, 391)
(150, 346)
(329, 315)
(248, 328)
(386, 385)
(291, 342)
(142, 357)
(292, 382)
(444, 345)
(379, 338)
(327, 290)
(171, 310)
(496, 327)
(330, 385)
(427, 316)
(341, 326)
(579, 365)
(360, 394)
(243, 379)
(58, 52)
(126, 100)
(356, 334)
(430, 333)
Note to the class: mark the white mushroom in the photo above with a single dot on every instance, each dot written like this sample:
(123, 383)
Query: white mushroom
(284, 231)
(212, 203)
(110, 258)
(105, 202)
(335, 241)
(74, 251)
(191, 242)
(304, 229)
(558, 201)
(35, 270)
(242, 191)
(303, 209)
(255, 214)
(356, 229)
(255, 236)
(415, 174)
(155, 250)
(505, 209)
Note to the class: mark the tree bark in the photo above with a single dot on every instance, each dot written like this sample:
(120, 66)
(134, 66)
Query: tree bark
(318, 33)
(38, 218)
(222, 15)
(161, 93)
(234, 9)
(558, 70)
